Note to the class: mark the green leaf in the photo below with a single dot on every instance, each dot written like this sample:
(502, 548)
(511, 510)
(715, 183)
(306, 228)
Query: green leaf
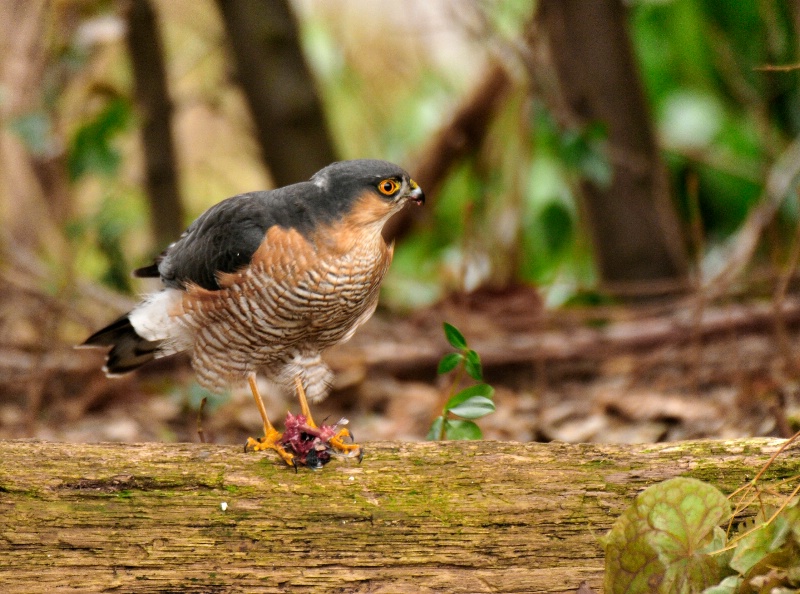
(474, 408)
(763, 540)
(457, 429)
(36, 131)
(717, 544)
(436, 429)
(730, 585)
(558, 229)
(449, 362)
(472, 364)
(454, 337)
(662, 542)
(467, 393)
(752, 548)
(92, 149)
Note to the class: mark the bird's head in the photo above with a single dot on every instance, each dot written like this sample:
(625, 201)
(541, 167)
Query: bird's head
(367, 191)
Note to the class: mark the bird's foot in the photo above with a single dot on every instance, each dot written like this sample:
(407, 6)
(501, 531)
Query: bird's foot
(343, 442)
(272, 440)
(313, 445)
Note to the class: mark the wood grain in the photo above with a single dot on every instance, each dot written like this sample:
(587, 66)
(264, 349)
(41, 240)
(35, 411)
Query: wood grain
(413, 517)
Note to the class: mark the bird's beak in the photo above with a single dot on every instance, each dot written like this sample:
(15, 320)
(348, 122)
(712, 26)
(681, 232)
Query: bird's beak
(416, 195)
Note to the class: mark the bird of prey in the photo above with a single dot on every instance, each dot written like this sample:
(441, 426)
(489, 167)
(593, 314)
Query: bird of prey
(265, 282)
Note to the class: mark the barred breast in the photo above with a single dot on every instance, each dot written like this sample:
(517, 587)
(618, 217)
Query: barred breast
(279, 314)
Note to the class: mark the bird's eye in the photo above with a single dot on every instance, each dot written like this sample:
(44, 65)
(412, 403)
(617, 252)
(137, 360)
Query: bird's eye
(388, 187)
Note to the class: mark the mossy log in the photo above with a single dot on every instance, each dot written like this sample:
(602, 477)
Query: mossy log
(412, 517)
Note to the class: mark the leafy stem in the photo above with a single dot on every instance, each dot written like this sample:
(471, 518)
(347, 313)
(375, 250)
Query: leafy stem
(469, 403)
(457, 379)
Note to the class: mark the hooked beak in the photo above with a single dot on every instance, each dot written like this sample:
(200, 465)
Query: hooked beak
(416, 195)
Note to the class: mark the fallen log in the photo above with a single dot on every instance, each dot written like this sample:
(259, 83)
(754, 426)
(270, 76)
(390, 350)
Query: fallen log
(412, 517)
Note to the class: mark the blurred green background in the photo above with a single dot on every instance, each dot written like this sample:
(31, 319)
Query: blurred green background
(389, 76)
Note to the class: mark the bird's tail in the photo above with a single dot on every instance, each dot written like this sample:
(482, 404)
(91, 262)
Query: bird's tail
(128, 349)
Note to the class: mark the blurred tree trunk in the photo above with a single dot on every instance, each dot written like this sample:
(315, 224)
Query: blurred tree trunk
(34, 193)
(155, 112)
(634, 226)
(290, 124)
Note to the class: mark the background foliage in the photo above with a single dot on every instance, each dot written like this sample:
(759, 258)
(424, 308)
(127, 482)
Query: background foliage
(506, 214)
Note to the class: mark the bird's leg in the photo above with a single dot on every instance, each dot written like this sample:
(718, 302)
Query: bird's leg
(301, 396)
(337, 441)
(272, 437)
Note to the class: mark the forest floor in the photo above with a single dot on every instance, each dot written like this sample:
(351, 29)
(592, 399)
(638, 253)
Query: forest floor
(599, 374)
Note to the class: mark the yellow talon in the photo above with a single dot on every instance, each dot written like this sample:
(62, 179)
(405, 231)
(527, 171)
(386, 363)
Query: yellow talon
(272, 437)
(271, 441)
(346, 447)
(337, 441)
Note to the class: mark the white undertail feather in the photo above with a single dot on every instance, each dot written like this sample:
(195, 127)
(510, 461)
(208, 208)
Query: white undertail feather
(152, 320)
(315, 376)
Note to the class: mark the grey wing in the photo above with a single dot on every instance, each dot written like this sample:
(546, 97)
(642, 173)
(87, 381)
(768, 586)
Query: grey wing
(225, 237)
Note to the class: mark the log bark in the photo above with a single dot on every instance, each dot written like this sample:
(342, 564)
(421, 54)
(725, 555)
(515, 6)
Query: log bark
(412, 517)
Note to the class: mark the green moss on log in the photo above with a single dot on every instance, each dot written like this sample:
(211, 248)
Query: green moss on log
(413, 517)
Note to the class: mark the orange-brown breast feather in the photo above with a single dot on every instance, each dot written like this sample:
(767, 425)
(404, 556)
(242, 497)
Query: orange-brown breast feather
(360, 229)
(286, 255)
(284, 252)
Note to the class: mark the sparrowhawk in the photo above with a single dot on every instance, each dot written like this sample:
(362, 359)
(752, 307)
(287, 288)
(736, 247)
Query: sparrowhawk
(265, 282)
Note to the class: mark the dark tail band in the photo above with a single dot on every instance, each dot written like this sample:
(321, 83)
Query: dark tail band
(128, 349)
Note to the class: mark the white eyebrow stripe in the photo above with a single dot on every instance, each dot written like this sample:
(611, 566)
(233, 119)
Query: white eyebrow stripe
(321, 181)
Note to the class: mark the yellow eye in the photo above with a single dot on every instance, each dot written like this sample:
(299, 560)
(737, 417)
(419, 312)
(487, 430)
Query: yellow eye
(388, 187)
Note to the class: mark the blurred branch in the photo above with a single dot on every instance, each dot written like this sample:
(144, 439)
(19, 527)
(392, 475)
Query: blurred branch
(26, 271)
(778, 68)
(375, 347)
(22, 56)
(155, 112)
(461, 136)
(466, 130)
(38, 328)
(289, 121)
(782, 178)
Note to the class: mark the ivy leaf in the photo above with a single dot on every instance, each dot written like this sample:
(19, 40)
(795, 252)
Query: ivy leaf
(557, 227)
(454, 337)
(458, 429)
(474, 408)
(449, 362)
(661, 543)
(467, 393)
(472, 364)
(436, 429)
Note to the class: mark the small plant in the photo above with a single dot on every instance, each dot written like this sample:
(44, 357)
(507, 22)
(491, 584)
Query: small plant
(470, 403)
(671, 540)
